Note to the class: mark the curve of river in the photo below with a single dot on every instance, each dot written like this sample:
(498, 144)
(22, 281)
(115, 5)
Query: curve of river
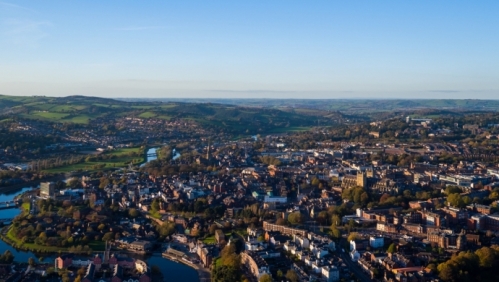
(172, 271)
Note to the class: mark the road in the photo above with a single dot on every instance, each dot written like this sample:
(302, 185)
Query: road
(355, 268)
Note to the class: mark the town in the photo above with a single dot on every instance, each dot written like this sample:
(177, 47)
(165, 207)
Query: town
(264, 209)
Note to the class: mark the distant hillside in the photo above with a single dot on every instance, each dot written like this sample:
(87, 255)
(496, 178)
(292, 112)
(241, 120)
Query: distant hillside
(353, 105)
(228, 118)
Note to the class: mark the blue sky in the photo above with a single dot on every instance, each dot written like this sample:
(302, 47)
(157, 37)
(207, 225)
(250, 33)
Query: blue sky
(245, 49)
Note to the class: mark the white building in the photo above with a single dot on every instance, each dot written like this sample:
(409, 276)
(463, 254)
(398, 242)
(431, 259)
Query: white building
(302, 241)
(331, 273)
(320, 253)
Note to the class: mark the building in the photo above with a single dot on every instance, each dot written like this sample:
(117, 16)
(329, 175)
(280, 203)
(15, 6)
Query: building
(368, 181)
(47, 190)
(433, 219)
(448, 240)
(255, 264)
(331, 273)
(376, 242)
(139, 246)
(275, 199)
(267, 226)
(386, 227)
(219, 236)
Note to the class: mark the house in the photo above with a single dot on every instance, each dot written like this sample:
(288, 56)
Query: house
(140, 246)
(255, 264)
(331, 273)
(219, 236)
(64, 261)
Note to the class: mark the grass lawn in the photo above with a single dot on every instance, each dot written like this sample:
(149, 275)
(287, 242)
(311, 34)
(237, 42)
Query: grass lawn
(289, 129)
(89, 166)
(82, 119)
(209, 240)
(54, 116)
(124, 151)
(97, 245)
(122, 159)
(243, 232)
(147, 115)
(26, 206)
(165, 117)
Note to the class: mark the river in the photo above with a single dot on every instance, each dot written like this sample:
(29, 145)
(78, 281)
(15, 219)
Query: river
(152, 155)
(172, 271)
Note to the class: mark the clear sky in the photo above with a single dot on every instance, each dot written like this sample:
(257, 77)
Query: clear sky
(244, 49)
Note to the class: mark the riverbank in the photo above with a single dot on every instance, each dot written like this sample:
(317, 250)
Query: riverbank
(203, 273)
(173, 271)
(8, 237)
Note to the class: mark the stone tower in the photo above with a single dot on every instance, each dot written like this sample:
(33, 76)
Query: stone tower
(361, 179)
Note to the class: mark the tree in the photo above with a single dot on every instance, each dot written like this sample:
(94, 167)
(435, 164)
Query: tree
(453, 190)
(7, 257)
(295, 218)
(463, 267)
(292, 276)
(391, 248)
(280, 221)
(108, 236)
(335, 232)
(315, 181)
(229, 257)
(336, 219)
(133, 212)
(104, 181)
(352, 236)
(279, 273)
(225, 274)
(486, 257)
(265, 278)
(322, 218)
(155, 205)
(74, 182)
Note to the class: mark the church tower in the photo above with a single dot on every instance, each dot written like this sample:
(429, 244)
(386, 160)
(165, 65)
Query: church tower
(361, 179)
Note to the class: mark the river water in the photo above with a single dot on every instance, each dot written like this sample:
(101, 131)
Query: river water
(152, 155)
(172, 271)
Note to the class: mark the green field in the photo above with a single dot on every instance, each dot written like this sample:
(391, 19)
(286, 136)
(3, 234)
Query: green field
(290, 129)
(83, 119)
(121, 160)
(49, 115)
(147, 115)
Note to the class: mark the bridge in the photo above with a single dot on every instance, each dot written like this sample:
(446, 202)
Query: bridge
(8, 204)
